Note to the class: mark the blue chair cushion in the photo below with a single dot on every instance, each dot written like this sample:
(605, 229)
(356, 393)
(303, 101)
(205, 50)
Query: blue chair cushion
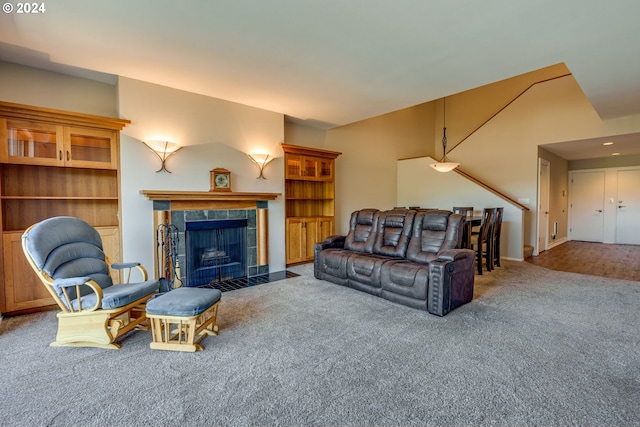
(183, 302)
(120, 295)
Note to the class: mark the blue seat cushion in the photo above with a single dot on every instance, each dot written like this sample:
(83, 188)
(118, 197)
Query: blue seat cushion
(120, 295)
(183, 302)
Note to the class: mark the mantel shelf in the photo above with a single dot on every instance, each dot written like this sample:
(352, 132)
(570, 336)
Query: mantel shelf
(207, 195)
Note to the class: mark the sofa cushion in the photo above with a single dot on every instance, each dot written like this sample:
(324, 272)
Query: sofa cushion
(393, 232)
(434, 231)
(405, 278)
(362, 227)
(364, 269)
(183, 302)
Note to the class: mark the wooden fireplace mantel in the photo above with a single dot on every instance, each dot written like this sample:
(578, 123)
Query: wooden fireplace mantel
(206, 195)
(207, 199)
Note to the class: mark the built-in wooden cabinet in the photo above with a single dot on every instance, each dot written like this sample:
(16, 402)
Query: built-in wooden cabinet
(53, 163)
(46, 144)
(309, 199)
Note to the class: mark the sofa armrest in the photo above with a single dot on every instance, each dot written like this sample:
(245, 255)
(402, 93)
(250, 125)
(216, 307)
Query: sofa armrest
(334, 241)
(451, 280)
(455, 254)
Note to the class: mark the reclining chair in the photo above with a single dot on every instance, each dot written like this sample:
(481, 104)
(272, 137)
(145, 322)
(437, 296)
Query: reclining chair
(66, 254)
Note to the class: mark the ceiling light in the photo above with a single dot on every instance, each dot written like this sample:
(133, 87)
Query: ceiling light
(607, 143)
(444, 165)
(615, 154)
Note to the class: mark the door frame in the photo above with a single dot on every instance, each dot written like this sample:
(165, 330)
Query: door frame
(544, 186)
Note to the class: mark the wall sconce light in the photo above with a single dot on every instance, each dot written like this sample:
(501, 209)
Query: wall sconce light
(164, 150)
(260, 160)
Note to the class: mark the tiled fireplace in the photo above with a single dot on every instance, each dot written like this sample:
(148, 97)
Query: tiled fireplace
(221, 236)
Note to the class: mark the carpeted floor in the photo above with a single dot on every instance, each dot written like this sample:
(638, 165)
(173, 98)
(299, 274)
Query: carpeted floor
(534, 348)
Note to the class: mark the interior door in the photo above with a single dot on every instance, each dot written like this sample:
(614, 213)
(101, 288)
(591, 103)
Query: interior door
(587, 206)
(628, 207)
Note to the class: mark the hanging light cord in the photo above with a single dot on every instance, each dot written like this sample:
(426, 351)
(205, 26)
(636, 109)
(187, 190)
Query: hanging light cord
(444, 128)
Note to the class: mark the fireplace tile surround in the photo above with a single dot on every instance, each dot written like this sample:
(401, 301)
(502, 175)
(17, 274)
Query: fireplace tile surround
(180, 217)
(180, 207)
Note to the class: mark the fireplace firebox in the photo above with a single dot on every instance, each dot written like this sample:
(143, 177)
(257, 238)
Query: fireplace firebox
(216, 250)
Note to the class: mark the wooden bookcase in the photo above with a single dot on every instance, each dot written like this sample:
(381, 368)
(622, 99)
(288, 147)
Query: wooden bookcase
(53, 163)
(309, 199)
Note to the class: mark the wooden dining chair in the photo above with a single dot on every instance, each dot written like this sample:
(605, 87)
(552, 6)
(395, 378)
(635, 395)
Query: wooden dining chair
(466, 211)
(481, 240)
(495, 241)
(463, 210)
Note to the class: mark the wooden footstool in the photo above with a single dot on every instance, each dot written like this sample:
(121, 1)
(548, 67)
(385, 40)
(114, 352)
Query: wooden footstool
(182, 317)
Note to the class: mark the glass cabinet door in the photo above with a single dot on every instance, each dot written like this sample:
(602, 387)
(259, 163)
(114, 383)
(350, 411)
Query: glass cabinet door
(326, 169)
(293, 167)
(90, 148)
(32, 143)
(310, 167)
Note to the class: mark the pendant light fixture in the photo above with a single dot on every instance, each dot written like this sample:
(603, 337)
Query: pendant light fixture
(444, 165)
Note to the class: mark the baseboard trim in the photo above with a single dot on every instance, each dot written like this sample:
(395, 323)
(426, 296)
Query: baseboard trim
(558, 242)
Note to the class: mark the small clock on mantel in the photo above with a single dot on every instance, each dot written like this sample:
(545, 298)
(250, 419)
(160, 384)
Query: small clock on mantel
(220, 179)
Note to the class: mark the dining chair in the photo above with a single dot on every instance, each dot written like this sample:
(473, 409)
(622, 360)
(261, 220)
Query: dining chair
(463, 210)
(466, 211)
(481, 240)
(497, 228)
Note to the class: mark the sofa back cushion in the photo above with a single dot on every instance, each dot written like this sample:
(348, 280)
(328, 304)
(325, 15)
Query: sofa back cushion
(362, 230)
(393, 232)
(434, 231)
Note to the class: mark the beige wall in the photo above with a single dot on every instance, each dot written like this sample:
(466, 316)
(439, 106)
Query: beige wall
(469, 110)
(31, 86)
(214, 133)
(503, 153)
(366, 171)
(558, 197)
(298, 134)
(417, 187)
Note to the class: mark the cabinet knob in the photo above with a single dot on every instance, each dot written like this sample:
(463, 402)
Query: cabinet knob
(68, 156)
(60, 154)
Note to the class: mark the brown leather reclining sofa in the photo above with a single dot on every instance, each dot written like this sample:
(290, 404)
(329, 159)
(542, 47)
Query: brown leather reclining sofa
(408, 257)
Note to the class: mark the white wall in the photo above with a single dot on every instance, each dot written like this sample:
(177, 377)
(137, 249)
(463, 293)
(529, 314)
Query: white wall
(421, 185)
(214, 133)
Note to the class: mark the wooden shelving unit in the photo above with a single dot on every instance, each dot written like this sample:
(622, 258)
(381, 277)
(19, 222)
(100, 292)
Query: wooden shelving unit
(53, 163)
(309, 199)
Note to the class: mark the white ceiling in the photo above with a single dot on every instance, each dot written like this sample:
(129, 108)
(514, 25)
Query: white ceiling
(334, 62)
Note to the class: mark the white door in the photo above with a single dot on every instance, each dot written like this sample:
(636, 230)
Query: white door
(628, 207)
(587, 206)
(543, 205)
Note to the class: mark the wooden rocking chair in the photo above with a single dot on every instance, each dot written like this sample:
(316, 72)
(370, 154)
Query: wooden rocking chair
(66, 254)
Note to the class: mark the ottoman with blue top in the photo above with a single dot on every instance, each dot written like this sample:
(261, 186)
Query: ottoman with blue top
(181, 318)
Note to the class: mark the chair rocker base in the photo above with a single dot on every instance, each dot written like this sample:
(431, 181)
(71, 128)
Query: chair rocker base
(100, 328)
(183, 333)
